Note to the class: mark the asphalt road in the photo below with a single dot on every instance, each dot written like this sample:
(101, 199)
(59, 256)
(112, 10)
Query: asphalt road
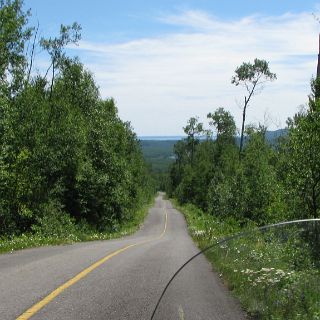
(126, 284)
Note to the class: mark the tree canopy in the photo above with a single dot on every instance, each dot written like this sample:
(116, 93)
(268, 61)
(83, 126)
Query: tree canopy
(65, 155)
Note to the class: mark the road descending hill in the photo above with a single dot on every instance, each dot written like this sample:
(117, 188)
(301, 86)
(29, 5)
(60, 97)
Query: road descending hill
(116, 279)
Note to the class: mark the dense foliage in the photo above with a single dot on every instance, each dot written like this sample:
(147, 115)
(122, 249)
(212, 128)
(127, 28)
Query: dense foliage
(270, 182)
(274, 273)
(66, 158)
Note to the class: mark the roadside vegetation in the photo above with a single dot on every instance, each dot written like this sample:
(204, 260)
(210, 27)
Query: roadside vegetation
(274, 274)
(224, 189)
(268, 182)
(70, 168)
(68, 232)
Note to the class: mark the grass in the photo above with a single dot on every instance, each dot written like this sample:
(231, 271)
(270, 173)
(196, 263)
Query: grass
(74, 234)
(275, 274)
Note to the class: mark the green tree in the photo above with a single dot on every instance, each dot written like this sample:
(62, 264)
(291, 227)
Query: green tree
(303, 159)
(55, 47)
(14, 34)
(219, 194)
(65, 155)
(193, 130)
(260, 190)
(223, 123)
(251, 76)
(176, 170)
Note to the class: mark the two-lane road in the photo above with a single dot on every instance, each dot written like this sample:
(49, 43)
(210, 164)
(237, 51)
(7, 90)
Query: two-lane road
(116, 279)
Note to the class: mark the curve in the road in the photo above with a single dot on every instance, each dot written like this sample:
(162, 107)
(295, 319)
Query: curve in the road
(39, 305)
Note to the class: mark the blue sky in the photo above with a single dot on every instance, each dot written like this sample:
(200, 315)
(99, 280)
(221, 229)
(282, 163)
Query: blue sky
(120, 20)
(165, 61)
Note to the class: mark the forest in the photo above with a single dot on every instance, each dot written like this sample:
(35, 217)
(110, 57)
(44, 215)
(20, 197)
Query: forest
(68, 163)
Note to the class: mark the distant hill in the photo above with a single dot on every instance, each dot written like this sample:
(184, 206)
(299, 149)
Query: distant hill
(158, 153)
(273, 135)
(158, 150)
(161, 138)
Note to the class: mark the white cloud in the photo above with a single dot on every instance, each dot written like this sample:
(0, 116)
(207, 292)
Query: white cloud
(160, 82)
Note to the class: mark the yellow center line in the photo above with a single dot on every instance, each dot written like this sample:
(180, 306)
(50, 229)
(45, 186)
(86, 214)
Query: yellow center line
(39, 305)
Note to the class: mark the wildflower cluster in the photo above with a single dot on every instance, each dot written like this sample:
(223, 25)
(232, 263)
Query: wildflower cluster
(266, 276)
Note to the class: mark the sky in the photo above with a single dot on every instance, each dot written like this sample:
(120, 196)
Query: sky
(164, 61)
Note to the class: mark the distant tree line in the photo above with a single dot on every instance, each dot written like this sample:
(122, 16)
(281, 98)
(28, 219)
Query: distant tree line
(65, 155)
(268, 182)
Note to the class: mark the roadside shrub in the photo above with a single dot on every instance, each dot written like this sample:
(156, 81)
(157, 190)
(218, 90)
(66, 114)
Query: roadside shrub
(54, 222)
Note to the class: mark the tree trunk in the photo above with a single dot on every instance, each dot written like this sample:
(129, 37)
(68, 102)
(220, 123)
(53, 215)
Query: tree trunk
(242, 128)
(32, 53)
(52, 80)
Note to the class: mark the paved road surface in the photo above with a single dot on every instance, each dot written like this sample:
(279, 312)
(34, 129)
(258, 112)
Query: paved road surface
(126, 285)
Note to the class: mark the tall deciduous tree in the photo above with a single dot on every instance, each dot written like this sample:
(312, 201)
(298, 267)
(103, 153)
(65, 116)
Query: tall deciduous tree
(223, 123)
(14, 34)
(252, 76)
(193, 129)
(55, 47)
(65, 155)
(303, 159)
